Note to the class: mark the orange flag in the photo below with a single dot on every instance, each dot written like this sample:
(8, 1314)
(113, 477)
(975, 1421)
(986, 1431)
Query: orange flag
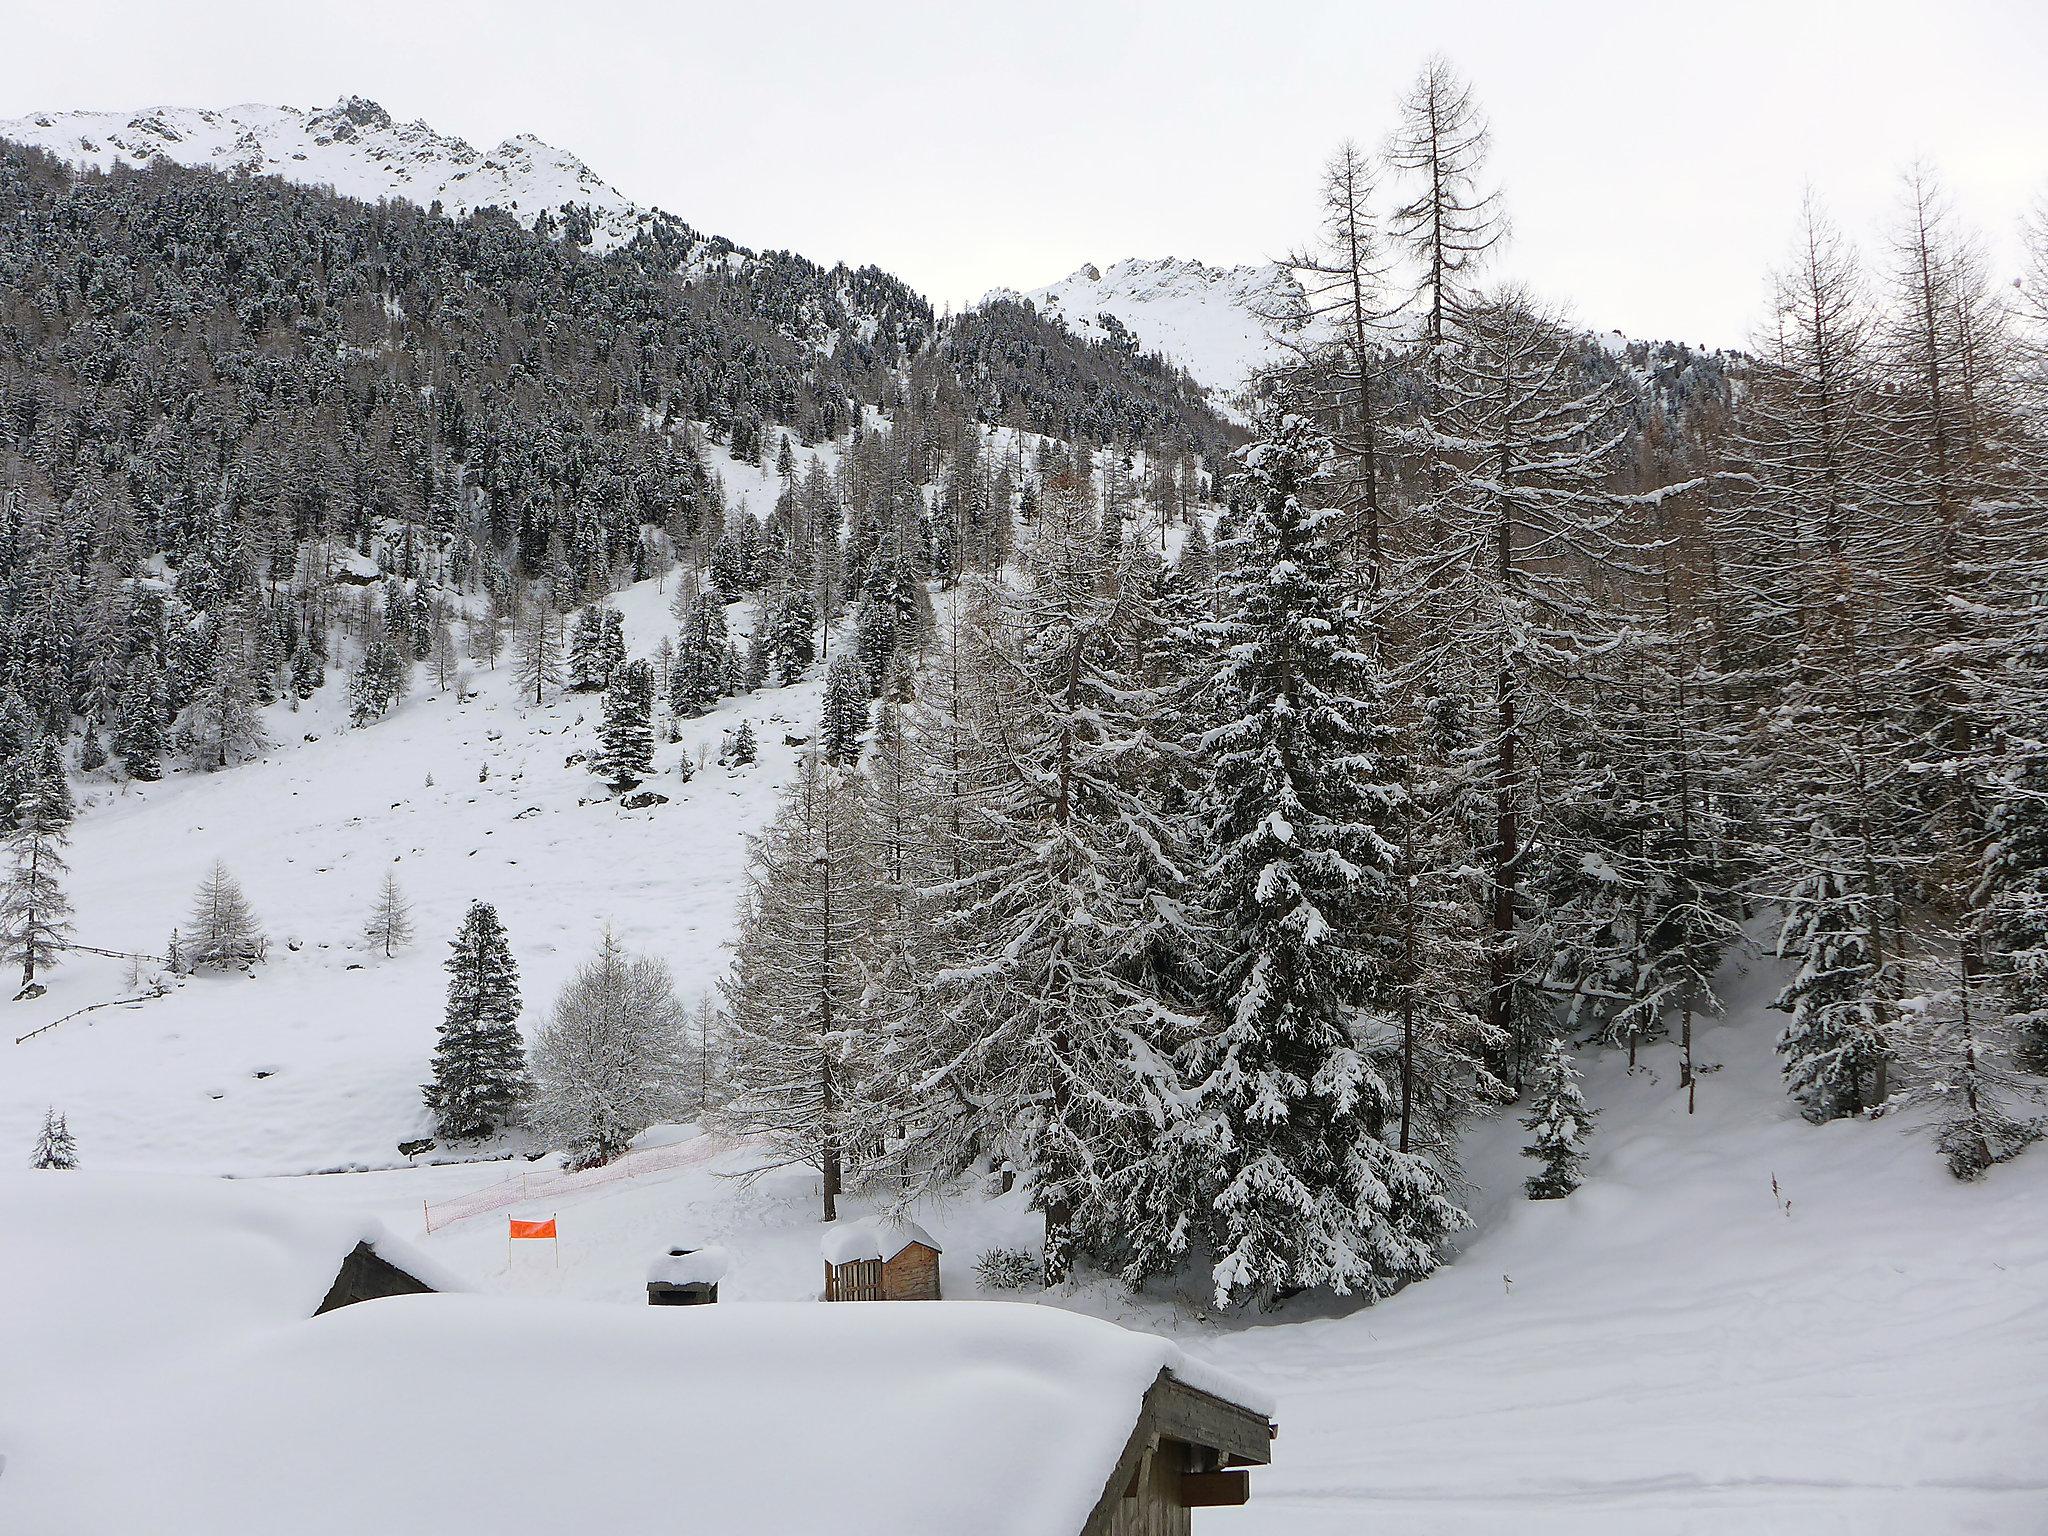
(531, 1228)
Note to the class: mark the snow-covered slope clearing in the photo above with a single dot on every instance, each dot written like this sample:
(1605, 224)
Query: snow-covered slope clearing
(315, 1062)
(1741, 1322)
(1207, 319)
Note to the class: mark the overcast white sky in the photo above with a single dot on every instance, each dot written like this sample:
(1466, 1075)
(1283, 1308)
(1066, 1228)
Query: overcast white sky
(1653, 153)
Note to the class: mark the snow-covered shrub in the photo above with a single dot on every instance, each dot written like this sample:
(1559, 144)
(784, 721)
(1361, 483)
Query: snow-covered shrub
(1006, 1269)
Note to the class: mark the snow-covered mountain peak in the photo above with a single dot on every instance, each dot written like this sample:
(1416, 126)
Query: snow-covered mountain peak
(354, 146)
(1205, 318)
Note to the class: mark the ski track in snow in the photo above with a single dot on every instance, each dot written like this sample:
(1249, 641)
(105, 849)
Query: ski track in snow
(1668, 1351)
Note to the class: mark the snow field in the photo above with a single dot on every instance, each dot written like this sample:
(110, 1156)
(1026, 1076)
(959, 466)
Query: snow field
(343, 1033)
(1674, 1349)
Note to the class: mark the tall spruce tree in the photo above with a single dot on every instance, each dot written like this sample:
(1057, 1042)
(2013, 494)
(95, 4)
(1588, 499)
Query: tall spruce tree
(843, 713)
(1038, 1014)
(480, 1076)
(139, 731)
(1837, 1044)
(1306, 801)
(1560, 1121)
(625, 735)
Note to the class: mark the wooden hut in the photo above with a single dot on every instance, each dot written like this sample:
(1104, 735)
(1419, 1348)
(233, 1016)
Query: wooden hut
(366, 1275)
(686, 1277)
(878, 1259)
(1189, 1451)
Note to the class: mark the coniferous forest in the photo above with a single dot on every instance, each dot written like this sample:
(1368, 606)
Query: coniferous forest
(1215, 805)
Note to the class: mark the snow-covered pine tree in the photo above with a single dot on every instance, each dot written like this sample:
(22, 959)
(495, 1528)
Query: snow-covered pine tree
(875, 641)
(800, 1054)
(55, 1146)
(613, 1057)
(379, 681)
(305, 672)
(897, 861)
(480, 1076)
(1037, 1022)
(1560, 1120)
(1152, 1204)
(745, 749)
(1825, 601)
(1836, 1046)
(843, 714)
(390, 924)
(1196, 569)
(35, 915)
(224, 727)
(139, 730)
(1305, 800)
(586, 650)
(223, 930)
(424, 619)
(1166, 633)
(789, 630)
(696, 680)
(625, 735)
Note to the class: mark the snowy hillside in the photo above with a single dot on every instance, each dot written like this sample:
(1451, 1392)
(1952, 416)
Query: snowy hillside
(315, 1062)
(1740, 1322)
(354, 146)
(1207, 319)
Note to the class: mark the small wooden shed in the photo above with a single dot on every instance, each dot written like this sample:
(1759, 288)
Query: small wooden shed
(880, 1259)
(686, 1277)
(366, 1275)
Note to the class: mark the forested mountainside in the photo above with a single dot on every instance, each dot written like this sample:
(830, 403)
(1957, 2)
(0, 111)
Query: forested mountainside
(1213, 866)
(209, 370)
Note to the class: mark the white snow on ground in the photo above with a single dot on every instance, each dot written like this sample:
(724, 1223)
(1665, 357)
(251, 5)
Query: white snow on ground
(1205, 318)
(99, 1271)
(354, 146)
(1673, 1349)
(1678, 1348)
(316, 1062)
(451, 1413)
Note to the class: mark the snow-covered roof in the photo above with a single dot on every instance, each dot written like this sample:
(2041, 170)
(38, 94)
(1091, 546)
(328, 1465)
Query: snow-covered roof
(100, 1271)
(781, 1419)
(872, 1237)
(700, 1266)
